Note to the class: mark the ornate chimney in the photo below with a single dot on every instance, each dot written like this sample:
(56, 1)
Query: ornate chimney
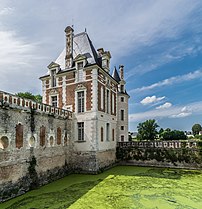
(69, 47)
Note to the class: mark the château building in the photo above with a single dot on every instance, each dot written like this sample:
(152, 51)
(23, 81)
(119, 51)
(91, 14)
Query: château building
(79, 80)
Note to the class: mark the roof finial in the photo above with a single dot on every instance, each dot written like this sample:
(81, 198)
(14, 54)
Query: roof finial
(85, 30)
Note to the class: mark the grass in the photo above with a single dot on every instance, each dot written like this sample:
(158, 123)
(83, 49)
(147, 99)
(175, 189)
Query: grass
(119, 187)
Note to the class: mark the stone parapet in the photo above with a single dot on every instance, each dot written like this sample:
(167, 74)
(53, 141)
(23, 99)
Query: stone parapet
(8, 100)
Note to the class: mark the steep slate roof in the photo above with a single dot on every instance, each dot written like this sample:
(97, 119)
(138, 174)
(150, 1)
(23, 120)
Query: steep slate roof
(81, 45)
(115, 75)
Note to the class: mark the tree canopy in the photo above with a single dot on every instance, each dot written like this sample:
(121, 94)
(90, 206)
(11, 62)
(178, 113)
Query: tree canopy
(173, 135)
(147, 130)
(196, 128)
(28, 95)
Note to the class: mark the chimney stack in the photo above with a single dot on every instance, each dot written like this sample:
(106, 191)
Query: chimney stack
(69, 46)
(121, 71)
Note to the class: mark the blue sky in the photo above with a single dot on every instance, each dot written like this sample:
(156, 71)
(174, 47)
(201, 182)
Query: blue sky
(159, 43)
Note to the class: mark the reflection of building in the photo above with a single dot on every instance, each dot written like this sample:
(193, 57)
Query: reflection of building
(79, 80)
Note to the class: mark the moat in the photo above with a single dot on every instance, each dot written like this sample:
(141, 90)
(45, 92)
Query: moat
(119, 187)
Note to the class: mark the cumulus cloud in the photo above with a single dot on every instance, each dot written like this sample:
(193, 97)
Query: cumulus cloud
(145, 23)
(170, 81)
(164, 106)
(152, 99)
(172, 112)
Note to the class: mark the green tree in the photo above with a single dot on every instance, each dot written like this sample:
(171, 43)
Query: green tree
(28, 95)
(196, 128)
(147, 130)
(173, 135)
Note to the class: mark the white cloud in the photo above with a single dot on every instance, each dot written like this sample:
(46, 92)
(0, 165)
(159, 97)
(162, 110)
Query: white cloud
(164, 106)
(172, 112)
(143, 24)
(185, 111)
(181, 115)
(6, 11)
(170, 81)
(152, 99)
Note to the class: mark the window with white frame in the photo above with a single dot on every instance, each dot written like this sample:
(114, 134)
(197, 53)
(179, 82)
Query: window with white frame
(102, 97)
(113, 103)
(80, 71)
(80, 101)
(80, 131)
(53, 78)
(54, 101)
(107, 101)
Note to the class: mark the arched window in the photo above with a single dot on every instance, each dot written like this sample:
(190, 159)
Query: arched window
(4, 142)
(19, 136)
(59, 135)
(42, 136)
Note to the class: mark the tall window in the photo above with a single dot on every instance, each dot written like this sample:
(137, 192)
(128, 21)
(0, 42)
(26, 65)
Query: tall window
(53, 78)
(54, 101)
(112, 103)
(122, 114)
(102, 134)
(113, 134)
(102, 97)
(122, 88)
(107, 101)
(42, 136)
(80, 71)
(59, 135)
(80, 131)
(19, 136)
(80, 97)
(107, 131)
(122, 138)
(122, 99)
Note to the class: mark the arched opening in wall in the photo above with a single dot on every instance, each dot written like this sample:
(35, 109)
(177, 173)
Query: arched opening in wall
(59, 135)
(122, 138)
(32, 141)
(19, 136)
(51, 139)
(42, 136)
(113, 134)
(4, 142)
(102, 134)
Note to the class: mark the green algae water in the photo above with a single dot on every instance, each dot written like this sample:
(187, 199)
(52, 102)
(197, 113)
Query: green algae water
(120, 187)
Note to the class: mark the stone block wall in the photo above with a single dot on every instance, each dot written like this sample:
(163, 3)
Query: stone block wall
(34, 145)
(178, 154)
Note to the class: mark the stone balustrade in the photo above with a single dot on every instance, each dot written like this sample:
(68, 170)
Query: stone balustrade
(158, 144)
(13, 101)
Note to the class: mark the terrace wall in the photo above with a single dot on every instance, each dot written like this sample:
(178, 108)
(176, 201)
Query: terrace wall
(35, 144)
(186, 154)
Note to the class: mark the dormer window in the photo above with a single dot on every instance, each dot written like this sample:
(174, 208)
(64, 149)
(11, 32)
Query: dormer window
(80, 65)
(53, 78)
(80, 71)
